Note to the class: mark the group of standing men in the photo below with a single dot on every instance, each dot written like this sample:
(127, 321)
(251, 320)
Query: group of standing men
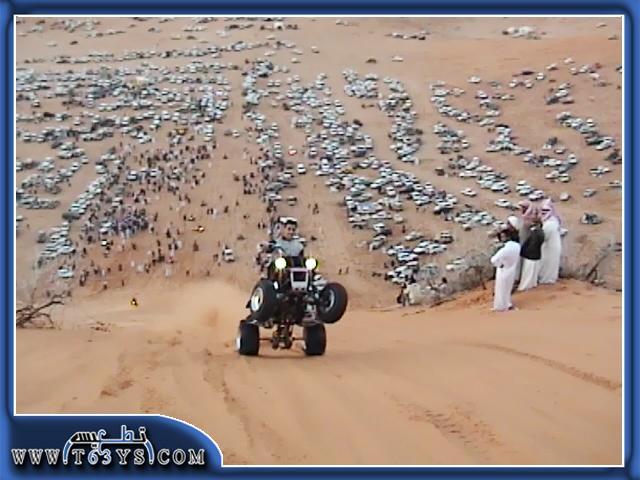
(531, 252)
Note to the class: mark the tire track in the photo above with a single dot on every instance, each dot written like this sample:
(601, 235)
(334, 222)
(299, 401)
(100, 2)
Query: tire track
(258, 433)
(120, 381)
(611, 385)
(214, 376)
(461, 428)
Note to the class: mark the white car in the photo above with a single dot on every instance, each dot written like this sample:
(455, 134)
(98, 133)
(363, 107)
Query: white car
(565, 196)
(228, 255)
(65, 272)
(413, 236)
(301, 169)
(67, 250)
(604, 145)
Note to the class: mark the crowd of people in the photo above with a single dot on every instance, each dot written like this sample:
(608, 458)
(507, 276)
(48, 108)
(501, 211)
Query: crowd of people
(115, 229)
(530, 254)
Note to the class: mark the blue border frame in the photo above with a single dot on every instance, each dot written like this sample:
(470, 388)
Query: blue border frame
(13, 430)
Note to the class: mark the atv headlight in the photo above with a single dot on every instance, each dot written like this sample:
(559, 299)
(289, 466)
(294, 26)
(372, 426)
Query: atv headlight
(281, 263)
(310, 263)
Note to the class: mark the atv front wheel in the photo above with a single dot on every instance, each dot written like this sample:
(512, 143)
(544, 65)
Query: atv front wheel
(333, 303)
(263, 301)
(315, 340)
(248, 339)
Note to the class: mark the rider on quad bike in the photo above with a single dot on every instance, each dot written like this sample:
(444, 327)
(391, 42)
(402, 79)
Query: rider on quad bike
(288, 296)
(289, 245)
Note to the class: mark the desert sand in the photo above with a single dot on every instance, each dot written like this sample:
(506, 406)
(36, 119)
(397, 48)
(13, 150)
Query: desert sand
(453, 384)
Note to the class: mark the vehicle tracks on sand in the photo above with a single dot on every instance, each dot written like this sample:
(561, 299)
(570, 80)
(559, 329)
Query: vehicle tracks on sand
(575, 372)
(153, 401)
(260, 436)
(120, 381)
(461, 428)
(214, 375)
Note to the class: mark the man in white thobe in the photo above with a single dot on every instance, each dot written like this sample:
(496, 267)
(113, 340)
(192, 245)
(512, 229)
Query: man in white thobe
(552, 247)
(514, 224)
(506, 261)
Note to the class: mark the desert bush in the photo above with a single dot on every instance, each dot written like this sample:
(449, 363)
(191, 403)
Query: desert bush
(32, 306)
(31, 315)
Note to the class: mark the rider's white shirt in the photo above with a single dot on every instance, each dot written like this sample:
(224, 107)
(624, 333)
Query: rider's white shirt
(291, 248)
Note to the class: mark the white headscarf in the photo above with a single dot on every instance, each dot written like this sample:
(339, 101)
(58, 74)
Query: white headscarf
(548, 210)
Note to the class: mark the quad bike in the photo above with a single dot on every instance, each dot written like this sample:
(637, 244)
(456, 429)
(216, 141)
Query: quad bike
(286, 298)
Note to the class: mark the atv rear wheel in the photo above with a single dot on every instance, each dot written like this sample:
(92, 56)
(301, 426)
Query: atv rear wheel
(315, 340)
(263, 301)
(248, 339)
(333, 303)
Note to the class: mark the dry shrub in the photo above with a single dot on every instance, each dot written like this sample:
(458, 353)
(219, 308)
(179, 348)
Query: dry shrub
(33, 308)
(37, 316)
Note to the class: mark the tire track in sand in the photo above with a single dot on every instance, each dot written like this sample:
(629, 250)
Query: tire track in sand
(120, 381)
(575, 372)
(213, 375)
(259, 435)
(221, 363)
(460, 428)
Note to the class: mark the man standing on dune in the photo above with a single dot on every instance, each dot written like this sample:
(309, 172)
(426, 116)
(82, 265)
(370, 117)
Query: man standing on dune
(506, 262)
(514, 225)
(531, 254)
(552, 247)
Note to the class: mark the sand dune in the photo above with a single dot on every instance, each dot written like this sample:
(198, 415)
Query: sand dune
(455, 384)
(450, 385)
